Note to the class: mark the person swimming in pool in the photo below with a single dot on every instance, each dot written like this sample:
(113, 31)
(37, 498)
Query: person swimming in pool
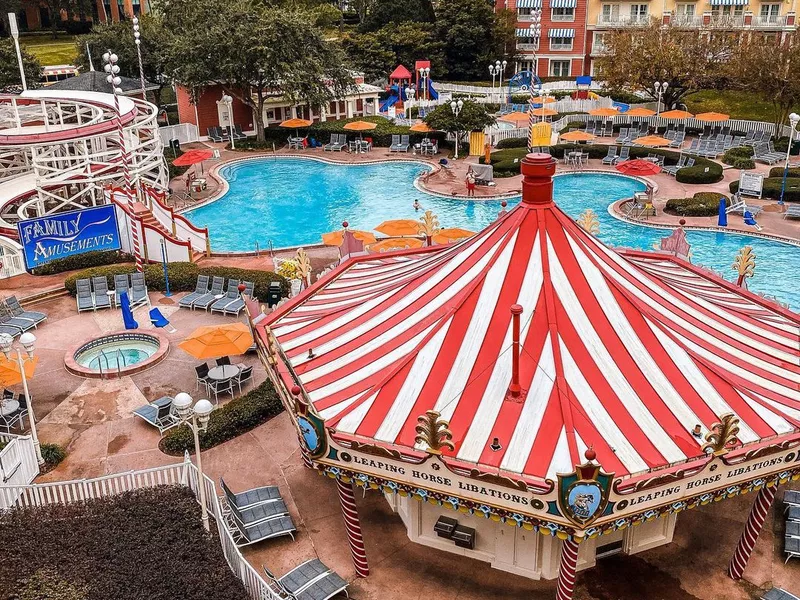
(417, 205)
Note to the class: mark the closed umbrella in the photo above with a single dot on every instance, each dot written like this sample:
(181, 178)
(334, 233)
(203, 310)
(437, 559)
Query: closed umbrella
(216, 341)
(335, 238)
(193, 157)
(676, 114)
(577, 136)
(604, 112)
(399, 227)
(395, 244)
(640, 112)
(652, 141)
(638, 167)
(712, 117)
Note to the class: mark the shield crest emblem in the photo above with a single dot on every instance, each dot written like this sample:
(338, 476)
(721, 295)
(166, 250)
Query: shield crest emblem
(583, 494)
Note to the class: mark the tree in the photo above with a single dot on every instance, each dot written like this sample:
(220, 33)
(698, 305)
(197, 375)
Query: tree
(465, 28)
(688, 61)
(257, 52)
(7, 6)
(9, 68)
(118, 37)
(383, 12)
(369, 53)
(71, 8)
(473, 117)
(504, 37)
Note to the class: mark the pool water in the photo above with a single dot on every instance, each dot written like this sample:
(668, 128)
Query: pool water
(116, 354)
(289, 202)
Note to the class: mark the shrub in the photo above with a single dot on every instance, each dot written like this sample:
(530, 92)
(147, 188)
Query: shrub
(182, 277)
(235, 418)
(512, 143)
(702, 204)
(772, 188)
(83, 261)
(53, 454)
(778, 172)
(47, 584)
(703, 171)
(740, 158)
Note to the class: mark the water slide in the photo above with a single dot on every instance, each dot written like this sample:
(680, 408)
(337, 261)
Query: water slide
(432, 93)
(395, 95)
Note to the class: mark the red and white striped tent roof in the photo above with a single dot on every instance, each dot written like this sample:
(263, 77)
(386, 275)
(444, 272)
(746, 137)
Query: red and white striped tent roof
(625, 352)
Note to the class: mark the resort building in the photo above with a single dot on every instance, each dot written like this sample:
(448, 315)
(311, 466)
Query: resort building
(210, 111)
(34, 15)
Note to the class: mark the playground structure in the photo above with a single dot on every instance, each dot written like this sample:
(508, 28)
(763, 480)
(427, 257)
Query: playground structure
(402, 79)
(61, 151)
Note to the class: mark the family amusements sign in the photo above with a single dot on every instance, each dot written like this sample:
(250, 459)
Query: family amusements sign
(57, 236)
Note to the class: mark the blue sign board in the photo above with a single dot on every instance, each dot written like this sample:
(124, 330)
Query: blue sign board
(65, 234)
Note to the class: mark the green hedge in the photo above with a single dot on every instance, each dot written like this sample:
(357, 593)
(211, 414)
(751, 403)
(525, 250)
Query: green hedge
(512, 143)
(235, 418)
(740, 158)
(778, 172)
(772, 188)
(182, 277)
(702, 204)
(83, 261)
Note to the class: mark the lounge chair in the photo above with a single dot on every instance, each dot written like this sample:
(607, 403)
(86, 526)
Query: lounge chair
(158, 414)
(624, 135)
(101, 296)
(791, 546)
(235, 307)
(206, 300)
(624, 154)
(792, 212)
(399, 144)
(200, 289)
(214, 134)
(778, 594)
(83, 295)
(158, 319)
(9, 320)
(245, 534)
(230, 296)
(250, 498)
(238, 134)
(673, 169)
(311, 580)
(122, 283)
(610, 156)
(139, 293)
(19, 312)
(334, 144)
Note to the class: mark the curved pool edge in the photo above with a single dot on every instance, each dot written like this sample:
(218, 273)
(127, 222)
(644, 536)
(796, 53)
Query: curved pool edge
(75, 368)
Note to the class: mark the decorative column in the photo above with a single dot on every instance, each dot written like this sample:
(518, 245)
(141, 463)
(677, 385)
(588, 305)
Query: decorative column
(351, 523)
(567, 570)
(755, 522)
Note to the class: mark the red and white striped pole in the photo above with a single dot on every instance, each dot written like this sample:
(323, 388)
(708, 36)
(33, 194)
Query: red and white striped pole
(755, 522)
(112, 68)
(353, 526)
(567, 570)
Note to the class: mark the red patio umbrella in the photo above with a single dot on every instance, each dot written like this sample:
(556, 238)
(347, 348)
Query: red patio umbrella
(193, 157)
(638, 167)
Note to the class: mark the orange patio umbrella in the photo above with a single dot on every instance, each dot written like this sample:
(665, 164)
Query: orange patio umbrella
(544, 112)
(712, 117)
(295, 124)
(421, 128)
(676, 114)
(216, 341)
(399, 227)
(515, 117)
(395, 244)
(577, 136)
(10, 373)
(544, 100)
(335, 238)
(360, 126)
(640, 111)
(604, 112)
(193, 157)
(652, 141)
(451, 234)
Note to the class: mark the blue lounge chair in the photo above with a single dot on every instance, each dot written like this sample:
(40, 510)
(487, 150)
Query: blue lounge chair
(159, 320)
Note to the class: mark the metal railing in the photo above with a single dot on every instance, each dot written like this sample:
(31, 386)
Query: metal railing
(622, 20)
(776, 21)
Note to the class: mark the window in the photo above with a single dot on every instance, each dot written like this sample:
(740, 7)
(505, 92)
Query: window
(769, 13)
(638, 13)
(559, 68)
(599, 42)
(727, 11)
(524, 12)
(560, 43)
(610, 13)
(563, 14)
(686, 10)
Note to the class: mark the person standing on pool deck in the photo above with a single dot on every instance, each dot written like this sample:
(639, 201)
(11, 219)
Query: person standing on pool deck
(470, 182)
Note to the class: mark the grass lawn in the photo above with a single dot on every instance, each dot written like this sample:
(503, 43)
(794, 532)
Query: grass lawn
(49, 51)
(737, 104)
(136, 546)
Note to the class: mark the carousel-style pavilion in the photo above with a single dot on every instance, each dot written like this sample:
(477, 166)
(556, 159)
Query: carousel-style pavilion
(530, 380)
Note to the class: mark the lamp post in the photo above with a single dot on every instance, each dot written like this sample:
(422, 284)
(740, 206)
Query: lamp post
(28, 341)
(536, 31)
(660, 89)
(196, 418)
(228, 102)
(12, 24)
(456, 108)
(494, 73)
(794, 119)
(500, 67)
(409, 99)
(138, 42)
(424, 74)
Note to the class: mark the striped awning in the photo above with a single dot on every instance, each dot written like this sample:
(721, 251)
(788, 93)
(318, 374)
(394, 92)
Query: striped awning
(524, 33)
(563, 3)
(729, 2)
(529, 3)
(561, 33)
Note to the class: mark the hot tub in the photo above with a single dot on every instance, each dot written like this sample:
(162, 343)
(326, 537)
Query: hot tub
(117, 354)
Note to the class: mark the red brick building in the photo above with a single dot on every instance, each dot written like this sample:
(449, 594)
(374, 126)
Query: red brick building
(34, 15)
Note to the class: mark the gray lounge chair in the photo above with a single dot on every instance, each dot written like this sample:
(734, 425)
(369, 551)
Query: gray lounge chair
(83, 295)
(624, 154)
(9, 320)
(19, 312)
(250, 498)
(121, 284)
(139, 293)
(235, 307)
(791, 497)
(238, 134)
(214, 134)
(200, 289)
(792, 212)
(101, 297)
(206, 300)
(159, 414)
(312, 580)
(244, 535)
(399, 144)
(778, 594)
(791, 546)
(610, 156)
(230, 296)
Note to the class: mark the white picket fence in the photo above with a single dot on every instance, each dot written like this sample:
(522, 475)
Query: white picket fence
(183, 132)
(479, 90)
(18, 464)
(185, 473)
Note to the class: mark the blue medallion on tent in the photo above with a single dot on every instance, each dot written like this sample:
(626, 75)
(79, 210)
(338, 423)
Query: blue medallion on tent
(522, 81)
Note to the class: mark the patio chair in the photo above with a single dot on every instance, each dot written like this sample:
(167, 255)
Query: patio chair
(223, 361)
(608, 128)
(83, 295)
(139, 293)
(312, 580)
(101, 296)
(158, 414)
(235, 307)
(726, 130)
(624, 154)
(791, 546)
(672, 169)
(778, 594)
(9, 320)
(395, 145)
(206, 300)
(213, 134)
(220, 386)
(748, 137)
(200, 289)
(250, 498)
(329, 146)
(238, 134)
(610, 155)
(17, 311)
(245, 535)
(245, 374)
(231, 295)
(693, 146)
(623, 135)
(17, 417)
(791, 497)
(706, 131)
(792, 212)
(294, 144)
(201, 372)
(122, 284)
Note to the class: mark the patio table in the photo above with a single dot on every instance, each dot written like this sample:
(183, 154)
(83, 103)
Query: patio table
(223, 372)
(8, 407)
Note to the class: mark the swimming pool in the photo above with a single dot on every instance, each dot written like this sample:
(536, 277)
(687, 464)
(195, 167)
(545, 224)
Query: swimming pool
(294, 201)
(116, 354)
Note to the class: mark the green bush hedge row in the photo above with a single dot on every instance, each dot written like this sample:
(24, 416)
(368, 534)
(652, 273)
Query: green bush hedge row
(83, 261)
(740, 158)
(702, 204)
(778, 172)
(182, 277)
(772, 188)
(512, 143)
(235, 418)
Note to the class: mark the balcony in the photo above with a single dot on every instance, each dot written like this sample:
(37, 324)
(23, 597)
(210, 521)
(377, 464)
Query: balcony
(770, 22)
(561, 46)
(622, 20)
(562, 18)
(524, 18)
(598, 49)
(726, 21)
(527, 47)
(687, 21)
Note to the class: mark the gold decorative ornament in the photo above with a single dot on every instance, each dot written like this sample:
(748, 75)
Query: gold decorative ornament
(588, 222)
(429, 224)
(744, 264)
(303, 266)
(723, 435)
(434, 433)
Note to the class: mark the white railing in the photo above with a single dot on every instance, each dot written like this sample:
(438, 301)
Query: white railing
(622, 20)
(185, 473)
(687, 21)
(771, 21)
(11, 260)
(183, 132)
(18, 464)
(726, 21)
(478, 90)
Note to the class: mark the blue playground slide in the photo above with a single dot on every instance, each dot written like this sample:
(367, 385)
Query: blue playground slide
(395, 94)
(432, 93)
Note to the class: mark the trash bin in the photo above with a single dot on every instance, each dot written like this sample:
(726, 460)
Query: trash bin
(795, 150)
(175, 145)
(273, 293)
